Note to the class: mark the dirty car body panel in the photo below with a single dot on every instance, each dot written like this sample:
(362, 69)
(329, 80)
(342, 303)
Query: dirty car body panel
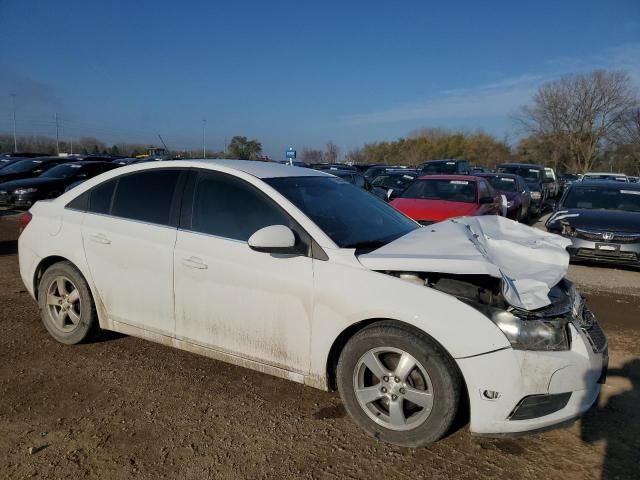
(190, 285)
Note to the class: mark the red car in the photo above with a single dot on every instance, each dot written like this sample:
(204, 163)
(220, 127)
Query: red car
(433, 198)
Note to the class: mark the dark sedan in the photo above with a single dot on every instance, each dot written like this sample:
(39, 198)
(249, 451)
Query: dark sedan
(28, 168)
(391, 184)
(515, 189)
(602, 220)
(25, 192)
(537, 181)
(351, 176)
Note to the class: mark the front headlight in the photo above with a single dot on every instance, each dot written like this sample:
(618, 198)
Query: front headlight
(529, 334)
(536, 195)
(22, 191)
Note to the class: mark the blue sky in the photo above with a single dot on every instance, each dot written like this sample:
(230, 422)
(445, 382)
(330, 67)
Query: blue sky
(295, 73)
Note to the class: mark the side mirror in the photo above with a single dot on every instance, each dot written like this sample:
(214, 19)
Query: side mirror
(390, 196)
(273, 239)
(486, 200)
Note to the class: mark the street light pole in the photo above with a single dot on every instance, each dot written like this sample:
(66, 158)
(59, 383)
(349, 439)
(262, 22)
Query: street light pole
(15, 138)
(204, 139)
(57, 136)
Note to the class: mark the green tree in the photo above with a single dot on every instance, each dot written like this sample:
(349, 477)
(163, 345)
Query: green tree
(115, 150)
(241, 148)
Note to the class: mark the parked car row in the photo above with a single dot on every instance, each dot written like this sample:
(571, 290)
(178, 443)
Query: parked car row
(27, 178)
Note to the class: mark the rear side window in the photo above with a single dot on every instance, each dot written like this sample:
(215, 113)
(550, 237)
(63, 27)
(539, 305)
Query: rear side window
(230, 208)
(146, 196)
(100, 199)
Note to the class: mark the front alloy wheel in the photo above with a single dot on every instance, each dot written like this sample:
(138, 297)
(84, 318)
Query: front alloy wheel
(399, 384)
(393, 388)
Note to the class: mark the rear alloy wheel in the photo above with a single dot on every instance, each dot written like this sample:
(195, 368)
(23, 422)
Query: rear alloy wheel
(398, 384)
(66, 305)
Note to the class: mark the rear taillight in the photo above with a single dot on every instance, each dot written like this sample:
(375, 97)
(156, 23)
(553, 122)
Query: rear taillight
(25, 218)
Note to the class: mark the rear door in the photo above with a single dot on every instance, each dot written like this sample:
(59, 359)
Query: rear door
(129, 233)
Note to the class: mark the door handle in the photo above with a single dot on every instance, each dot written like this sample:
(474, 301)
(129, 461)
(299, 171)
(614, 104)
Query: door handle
(99, 238)
(194, 262)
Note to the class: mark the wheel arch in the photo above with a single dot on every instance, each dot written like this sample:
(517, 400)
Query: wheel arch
(341, 340)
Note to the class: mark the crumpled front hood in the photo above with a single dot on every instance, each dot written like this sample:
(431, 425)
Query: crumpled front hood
(529, 261)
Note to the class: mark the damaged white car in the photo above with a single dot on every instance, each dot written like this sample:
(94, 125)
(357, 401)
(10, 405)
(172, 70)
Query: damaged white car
(298, 274)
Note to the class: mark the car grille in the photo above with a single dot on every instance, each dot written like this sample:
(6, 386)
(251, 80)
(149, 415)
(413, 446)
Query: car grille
(588, 323)
(591, 254)
(615, 237)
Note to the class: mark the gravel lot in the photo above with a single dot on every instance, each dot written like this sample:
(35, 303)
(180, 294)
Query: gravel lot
(126, 408)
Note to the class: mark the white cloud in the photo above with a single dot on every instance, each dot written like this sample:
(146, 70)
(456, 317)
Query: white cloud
(502, 97)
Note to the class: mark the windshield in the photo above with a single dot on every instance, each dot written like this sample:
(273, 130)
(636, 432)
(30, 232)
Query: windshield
(503, 184)
(351, 217)
(449, 190)
(439, 167)
(62, 171)
(21, 166)
(529, 174)
(393, 181)
(599, 198)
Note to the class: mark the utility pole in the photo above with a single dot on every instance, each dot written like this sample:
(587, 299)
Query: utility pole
(71, 144)
(204, 139)
(57, 135)
(15, 139)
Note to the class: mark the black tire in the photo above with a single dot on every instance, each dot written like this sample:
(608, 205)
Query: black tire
(445, 379)
(87, 325)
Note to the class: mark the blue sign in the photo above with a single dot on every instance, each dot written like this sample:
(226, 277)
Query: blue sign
(290, 153)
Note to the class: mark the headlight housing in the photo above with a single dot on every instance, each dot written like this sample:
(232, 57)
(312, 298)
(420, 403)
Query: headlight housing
(568, 229)
(530, 334)
(22, 191)
(536, 195)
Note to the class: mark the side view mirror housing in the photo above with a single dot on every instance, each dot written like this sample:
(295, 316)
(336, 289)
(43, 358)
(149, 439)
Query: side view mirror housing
(390, 194)
(486, 200)
(273, 239)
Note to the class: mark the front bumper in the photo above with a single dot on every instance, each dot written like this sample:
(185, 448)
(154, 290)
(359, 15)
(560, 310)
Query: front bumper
(499, 382)
(604, 252)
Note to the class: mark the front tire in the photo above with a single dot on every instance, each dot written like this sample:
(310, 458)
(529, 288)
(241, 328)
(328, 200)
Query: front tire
(399, 385)
(66, 305)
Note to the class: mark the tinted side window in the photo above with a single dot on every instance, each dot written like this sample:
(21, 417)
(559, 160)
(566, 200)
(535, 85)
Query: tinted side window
(484, 189)
(100, 200)
(230, 208)
(146, 196)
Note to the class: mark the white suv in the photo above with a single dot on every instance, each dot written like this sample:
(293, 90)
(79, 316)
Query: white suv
(299, 274)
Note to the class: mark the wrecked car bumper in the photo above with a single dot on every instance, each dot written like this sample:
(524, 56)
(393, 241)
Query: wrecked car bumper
(516, 391)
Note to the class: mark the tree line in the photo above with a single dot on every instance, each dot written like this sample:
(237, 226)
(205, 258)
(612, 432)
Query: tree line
(578, 123)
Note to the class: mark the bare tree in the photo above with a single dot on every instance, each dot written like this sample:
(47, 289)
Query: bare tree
(579, 113)
(331, 153)
(311, 155)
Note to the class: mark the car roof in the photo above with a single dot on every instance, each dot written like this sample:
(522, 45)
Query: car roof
(496, 174)
(607, 184)
(469, 178)
(251, 167)
(446, 160)
(527, 165)
(608, 174)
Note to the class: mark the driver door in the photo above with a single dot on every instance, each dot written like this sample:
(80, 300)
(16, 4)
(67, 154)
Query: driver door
(229, 297)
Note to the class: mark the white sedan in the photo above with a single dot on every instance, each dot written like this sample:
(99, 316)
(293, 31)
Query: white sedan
(298, 274)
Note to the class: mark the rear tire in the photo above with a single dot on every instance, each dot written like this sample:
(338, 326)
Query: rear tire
(399, 385)
(66, 305)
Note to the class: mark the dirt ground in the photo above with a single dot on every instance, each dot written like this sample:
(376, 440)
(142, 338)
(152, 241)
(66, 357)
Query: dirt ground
(126, 408)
